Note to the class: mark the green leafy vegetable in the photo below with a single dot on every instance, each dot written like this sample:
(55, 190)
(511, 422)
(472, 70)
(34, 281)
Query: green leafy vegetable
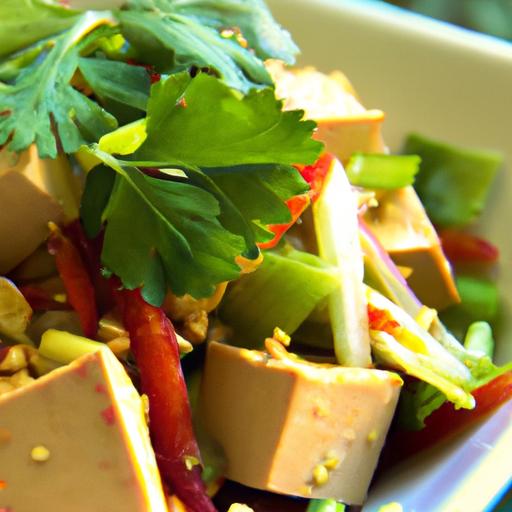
(42, 94)
(190, 225)
(119, 81)
(281, 293)
(192, 31)
(382, 171)
(201, 122)
(453, 183)
(23, 22)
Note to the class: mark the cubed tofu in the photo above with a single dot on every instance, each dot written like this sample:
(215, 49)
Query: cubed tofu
(344, 125)
(76, 440)
(32, 193)
(401, 225)
(297, 428)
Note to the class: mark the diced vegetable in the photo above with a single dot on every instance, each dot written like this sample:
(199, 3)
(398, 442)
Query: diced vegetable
(453, 183)
(282, 292)
(337, 233)
(382, 171)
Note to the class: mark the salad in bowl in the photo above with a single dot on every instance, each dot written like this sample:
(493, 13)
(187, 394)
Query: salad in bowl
(215, 276)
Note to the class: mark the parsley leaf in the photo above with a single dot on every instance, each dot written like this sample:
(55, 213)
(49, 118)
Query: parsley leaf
(23, 22)
(190, 30)
(118, 81)
(42, 93)
(251, 17)
(202, 122)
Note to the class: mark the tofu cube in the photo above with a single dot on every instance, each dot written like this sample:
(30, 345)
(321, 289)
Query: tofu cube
(297, 428)
(76, 440)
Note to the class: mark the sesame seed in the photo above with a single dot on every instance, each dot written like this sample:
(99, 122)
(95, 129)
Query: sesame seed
(40, 453)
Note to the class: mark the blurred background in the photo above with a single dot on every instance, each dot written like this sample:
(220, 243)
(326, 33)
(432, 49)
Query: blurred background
(490, 16)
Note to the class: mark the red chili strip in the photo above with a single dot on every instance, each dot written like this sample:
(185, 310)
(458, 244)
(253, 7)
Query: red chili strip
(76, 279)
(462, 247)
(314, 175)
(41, 300)
(154, 346)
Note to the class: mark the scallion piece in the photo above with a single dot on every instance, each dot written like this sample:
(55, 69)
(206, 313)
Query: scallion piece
(453, 183)
(385, 172)
(479, 338)
(328, 505)
(65, 347)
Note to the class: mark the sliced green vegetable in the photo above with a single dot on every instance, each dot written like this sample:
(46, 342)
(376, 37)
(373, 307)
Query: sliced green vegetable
(453, 183)
(64, 347)
(479, 339)
(382, 171)
(419, 354)
(325, 506)
(282, 292)
(337, 233)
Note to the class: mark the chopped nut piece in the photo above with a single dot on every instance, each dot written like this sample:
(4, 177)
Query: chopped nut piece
(15, 359)
(195, 326)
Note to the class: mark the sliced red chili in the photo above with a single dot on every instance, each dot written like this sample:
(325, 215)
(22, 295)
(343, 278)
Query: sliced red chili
(76, 279)
(314, 175)
(462, 247)
(41, 300)
(154, 346)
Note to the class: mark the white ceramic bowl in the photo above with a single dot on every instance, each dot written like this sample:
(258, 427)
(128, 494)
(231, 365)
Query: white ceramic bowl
(456, 86)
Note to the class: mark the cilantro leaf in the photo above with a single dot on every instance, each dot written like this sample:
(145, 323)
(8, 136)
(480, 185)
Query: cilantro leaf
(118, 81)
(252, 17)
(179, 240)
(201, 122)
(194, 44)
(23, 22)
(42, 94)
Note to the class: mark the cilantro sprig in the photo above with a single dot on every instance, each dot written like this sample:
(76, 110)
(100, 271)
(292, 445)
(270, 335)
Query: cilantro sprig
(184, 229)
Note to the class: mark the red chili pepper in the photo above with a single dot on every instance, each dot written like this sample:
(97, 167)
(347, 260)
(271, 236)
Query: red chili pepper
(447, 421)
(314, 175)
(460, 247)
(154, 346)
(41, 300)
(76, 279)
(153, 75)
(296, 205)
(381, 320)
